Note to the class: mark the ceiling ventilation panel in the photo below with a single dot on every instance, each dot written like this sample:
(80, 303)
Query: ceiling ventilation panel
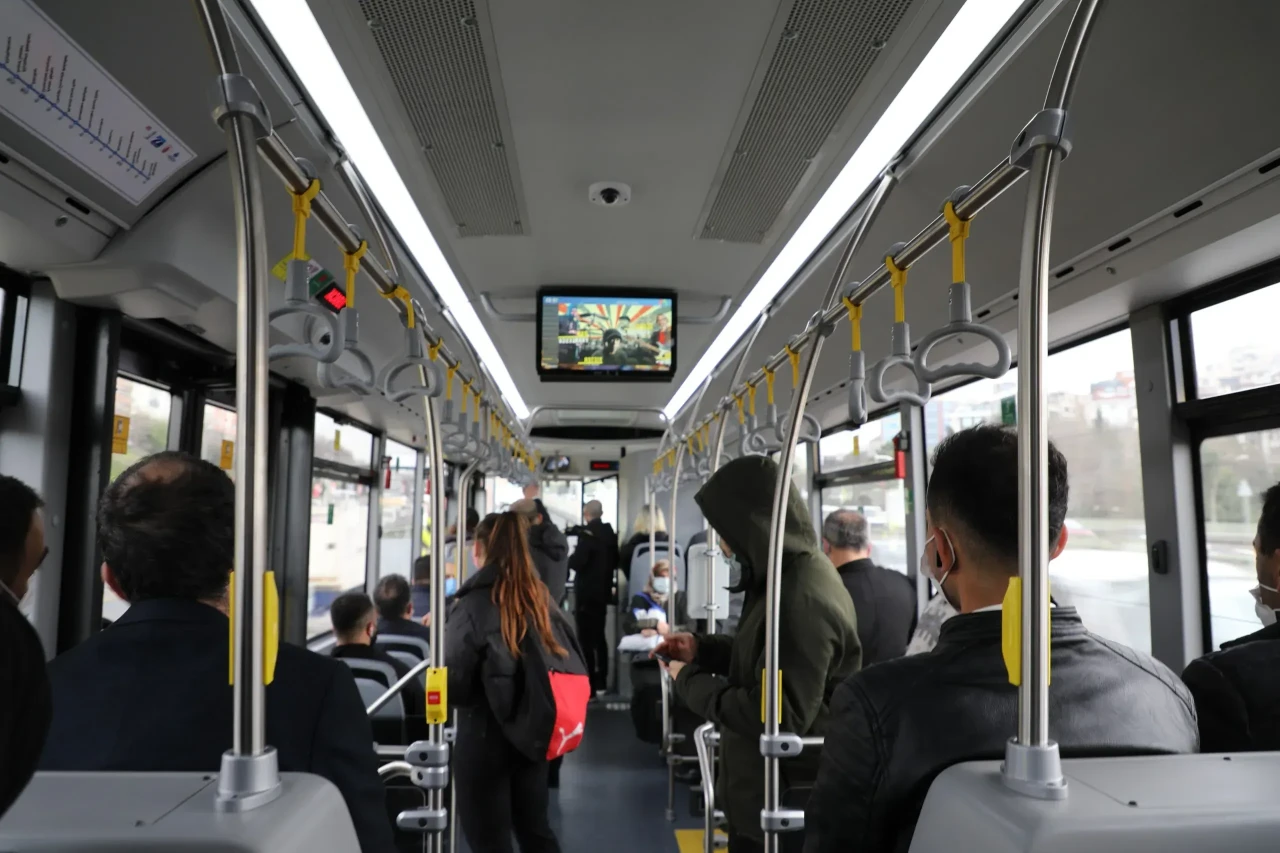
(821, 59)
(436, 55)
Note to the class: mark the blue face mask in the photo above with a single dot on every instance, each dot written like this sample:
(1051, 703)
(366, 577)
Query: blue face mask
(450, 586)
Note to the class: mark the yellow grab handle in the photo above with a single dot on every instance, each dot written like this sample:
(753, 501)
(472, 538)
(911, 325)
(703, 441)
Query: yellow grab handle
(958, 233)
(897, 278)
(351, 264)
(301, 213)
(795, 365)
(855, 322)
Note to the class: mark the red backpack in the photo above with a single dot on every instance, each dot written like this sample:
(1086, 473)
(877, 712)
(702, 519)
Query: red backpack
(551, 715)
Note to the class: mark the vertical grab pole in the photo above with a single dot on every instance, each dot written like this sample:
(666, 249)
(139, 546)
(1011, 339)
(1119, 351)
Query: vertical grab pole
(464, 487)
(772, 818)
(435, 731)
(419, 508)
(1032, 762)
(250, 773)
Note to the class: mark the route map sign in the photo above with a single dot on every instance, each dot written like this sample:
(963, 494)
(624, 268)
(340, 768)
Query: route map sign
(51, 87)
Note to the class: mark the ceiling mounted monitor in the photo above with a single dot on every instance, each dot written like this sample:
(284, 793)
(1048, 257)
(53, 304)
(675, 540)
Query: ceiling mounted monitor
(612, 335)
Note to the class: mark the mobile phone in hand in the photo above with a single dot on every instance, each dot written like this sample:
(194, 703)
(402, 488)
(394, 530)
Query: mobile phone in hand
(662, 657)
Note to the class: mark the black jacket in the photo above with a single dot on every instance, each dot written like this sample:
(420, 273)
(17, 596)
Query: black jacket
(885, 603)
(629, 549)
(25, 707)
(550, 557)
(414, 693)
(1237, 693)
(897, 725)
(150, 693)
(676, 616)
(487, 684)
(594, 562)
(403, 628)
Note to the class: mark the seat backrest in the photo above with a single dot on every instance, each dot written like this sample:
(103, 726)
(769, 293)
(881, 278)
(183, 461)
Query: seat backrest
(415, 646)
(694, 583)
(409, 659)
(370, 690)
(640, 565)
(375, 670)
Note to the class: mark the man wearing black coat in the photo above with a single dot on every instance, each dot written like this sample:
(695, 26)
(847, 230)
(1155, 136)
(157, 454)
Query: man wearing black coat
(1237, 690)
(884, 600)
(150, 693)
(593, 563)
(548, 546)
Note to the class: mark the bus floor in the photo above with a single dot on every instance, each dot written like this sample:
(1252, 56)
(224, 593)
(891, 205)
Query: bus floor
(613, 795)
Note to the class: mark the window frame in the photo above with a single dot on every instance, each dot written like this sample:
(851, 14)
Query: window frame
(15, 301)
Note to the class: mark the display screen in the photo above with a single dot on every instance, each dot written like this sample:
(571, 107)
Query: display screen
(555, 464)
(606, 334)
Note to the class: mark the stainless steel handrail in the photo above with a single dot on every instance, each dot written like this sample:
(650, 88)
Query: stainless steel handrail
(396, 770)
(394, 689)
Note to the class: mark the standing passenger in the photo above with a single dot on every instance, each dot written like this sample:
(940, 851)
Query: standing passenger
(502, 613)
(883, 600)
(718, 677)
(548, 547)
(593, 563)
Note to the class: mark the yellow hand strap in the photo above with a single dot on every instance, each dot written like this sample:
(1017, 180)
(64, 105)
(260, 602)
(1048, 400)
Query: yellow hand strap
(657, 466)
(476, 416)
(403, 295)
(301, 213)
(959, 233)
(855, 322)
(742, 418)
(466, 396)
(751, 399)
(448, 381)
(688, 443)
(671, 458)
(898, 278)
(795, 365)
(768, 383)
(705, 435)
(433, 351)
(351, 263)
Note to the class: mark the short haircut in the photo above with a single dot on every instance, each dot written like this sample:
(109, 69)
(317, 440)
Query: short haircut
(20, 503)
(473, 518)
(846, 529)
(1269, 521)
(166, 527)
(392, 597)
(592, 509)
(974, 485)
(349, 613)
(526, 508)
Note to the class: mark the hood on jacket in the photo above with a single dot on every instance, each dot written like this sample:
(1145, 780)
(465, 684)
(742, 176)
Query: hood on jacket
(737, 502)
(549, 539)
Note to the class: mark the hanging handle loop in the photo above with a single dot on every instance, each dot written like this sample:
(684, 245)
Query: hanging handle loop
(857, 366)
(297, 291)
(961, 312)
(810, 429)
(364, 384)
(900, 344)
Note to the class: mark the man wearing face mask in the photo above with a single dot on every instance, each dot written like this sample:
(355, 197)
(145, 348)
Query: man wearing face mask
(718, 677)
(896, 725)
(1237, 690)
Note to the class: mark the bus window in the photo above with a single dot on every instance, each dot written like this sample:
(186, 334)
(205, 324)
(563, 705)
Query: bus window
(339, 542)
(217, 442)
(883, 504)
(867, 453)
(395, 556)
(1234, 472)
(347, 444)
(1234, 343)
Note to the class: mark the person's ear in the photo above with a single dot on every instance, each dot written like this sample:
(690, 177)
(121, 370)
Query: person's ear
(368, 629)
(408, 611)
(109, 580)
(944, 551)
(1060, 544)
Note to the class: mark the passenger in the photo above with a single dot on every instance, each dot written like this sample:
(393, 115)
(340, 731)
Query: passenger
(884, 600)
(1237, 690)
(648, 618)
(651, 612)
(24, 684)
(549, 547)
(640, 536)
(499, 768)
(896, 725)
(151, 693)
(593, 563)
(354, 619)
(395, 609)
(817, 642)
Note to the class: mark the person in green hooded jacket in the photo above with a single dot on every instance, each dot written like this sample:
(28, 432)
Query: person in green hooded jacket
(721, 678)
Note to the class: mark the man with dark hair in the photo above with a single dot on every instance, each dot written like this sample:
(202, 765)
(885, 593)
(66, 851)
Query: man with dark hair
(896, 725)
(150, 693)
(1237, 690)
(24, 685)
(884, 600)
(395, 609)
(353, 618)
(594, 562)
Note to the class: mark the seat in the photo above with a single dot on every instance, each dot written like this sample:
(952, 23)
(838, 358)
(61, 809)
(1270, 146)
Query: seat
(409, 659)
(379, 671)
(695, 583)
(1166, 803)
(373, 677)
(415, 646)
(640, 565)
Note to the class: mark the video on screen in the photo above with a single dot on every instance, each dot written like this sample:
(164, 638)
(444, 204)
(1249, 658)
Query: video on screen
(620, 335)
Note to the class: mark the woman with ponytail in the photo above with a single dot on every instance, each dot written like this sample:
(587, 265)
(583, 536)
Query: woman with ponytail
(509, 651)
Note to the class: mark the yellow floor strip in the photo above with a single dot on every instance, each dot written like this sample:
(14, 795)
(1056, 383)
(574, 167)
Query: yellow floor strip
(690, 840)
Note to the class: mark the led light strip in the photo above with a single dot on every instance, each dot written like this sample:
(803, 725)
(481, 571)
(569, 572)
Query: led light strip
(299, 37)
(965, 38)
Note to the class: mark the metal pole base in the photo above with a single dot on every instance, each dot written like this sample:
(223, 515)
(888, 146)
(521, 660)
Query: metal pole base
(1034, 771)
(247, 782)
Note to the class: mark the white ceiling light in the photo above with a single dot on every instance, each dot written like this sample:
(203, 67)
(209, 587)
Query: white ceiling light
(296, 32)
(968, 34)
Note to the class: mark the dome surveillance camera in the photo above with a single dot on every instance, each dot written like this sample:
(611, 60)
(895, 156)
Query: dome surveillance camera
(609, 193)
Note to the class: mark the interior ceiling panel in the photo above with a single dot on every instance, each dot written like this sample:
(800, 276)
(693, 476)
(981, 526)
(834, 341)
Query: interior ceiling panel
(435, 54)
(825, 51)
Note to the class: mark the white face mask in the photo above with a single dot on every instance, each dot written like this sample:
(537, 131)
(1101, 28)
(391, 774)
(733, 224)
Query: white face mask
(662, 586)
(1266, 615)
(926, 568)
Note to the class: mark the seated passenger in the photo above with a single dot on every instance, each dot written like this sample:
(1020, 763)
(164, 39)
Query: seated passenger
(651, 612)
(649, 618)
(24, 684)
(896, 725)
(1237, 690)
(151, 692)
(395, 609)
(884, 600)
(353, 620)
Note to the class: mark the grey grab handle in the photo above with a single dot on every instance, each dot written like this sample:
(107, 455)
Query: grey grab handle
(810, 429)
(415, 358)
(350, 345)
(759, 441)
(296, 302)
(900, 350)
(858, 388)
(447, 418)
(749, 427)
(962, 324)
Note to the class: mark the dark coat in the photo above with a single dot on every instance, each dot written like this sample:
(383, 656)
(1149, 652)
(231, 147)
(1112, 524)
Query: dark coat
(897, 725)
(594, 563)
(150, 693)
(25, 708)
(629, 549)
(885, 603)
(550, 551)
(818, 639)
(403, 628)
(1237, 693)
(641, 601)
